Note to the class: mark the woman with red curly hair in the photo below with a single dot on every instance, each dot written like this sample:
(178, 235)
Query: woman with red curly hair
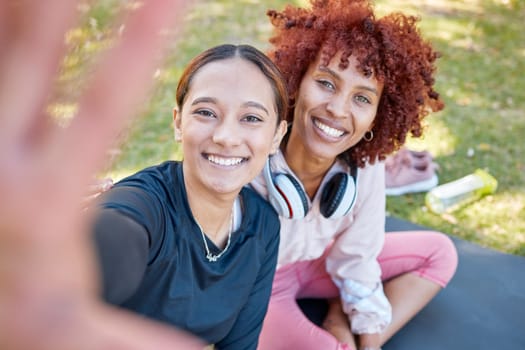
(359, 85)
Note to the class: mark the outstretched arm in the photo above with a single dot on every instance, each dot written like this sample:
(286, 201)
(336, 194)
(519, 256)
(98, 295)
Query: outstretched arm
(48, 273)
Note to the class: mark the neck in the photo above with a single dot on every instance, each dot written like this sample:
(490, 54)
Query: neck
(212, 211)
(308, 168)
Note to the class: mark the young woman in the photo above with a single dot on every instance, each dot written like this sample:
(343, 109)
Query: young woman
(186, 242)
(358, 84)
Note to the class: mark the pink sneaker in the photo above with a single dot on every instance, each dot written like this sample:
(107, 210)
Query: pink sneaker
(417, 158)
(409, 172)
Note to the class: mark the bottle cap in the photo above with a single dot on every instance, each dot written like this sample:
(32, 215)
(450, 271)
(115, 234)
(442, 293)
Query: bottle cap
(489, 182)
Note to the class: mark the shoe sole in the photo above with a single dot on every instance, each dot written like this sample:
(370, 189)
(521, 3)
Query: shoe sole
(421, 186)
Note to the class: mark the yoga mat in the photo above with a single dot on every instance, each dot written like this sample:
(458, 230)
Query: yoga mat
(483, 307)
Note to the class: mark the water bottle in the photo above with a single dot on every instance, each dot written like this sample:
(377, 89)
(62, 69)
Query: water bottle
(453, 195)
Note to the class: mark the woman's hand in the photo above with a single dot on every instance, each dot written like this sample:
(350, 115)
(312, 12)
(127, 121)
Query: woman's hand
(336, 323)
(48, 272)
(370, 341)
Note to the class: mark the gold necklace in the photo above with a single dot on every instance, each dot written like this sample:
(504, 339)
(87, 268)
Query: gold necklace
(211, 257)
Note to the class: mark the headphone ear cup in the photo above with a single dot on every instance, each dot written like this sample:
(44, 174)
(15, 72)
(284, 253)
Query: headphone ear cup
(338, 196)
(292, 192)
(275, 197)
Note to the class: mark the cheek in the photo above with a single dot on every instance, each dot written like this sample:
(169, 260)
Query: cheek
(261, 142)
(306, 98)
(193, 132)
(308, 101)
(300, 111)
(366, 119)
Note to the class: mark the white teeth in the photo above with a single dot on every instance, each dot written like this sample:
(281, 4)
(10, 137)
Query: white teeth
(328, 130)
(224, 161)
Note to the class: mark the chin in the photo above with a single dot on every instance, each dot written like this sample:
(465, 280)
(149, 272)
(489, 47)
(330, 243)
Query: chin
(225, 188)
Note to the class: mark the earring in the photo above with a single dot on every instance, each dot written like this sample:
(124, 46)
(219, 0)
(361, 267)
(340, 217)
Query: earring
(368, 136)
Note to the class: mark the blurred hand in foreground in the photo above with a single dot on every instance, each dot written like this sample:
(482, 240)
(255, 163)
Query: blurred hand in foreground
(48, 272)
(96, 188)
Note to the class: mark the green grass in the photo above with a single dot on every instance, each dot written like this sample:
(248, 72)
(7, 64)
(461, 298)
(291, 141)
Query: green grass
(483, 50)
(479, 76)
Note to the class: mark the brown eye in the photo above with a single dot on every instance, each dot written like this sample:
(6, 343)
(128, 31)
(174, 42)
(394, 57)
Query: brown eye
(362, 99)
(205, 113)
(251, 118)
(326, 84)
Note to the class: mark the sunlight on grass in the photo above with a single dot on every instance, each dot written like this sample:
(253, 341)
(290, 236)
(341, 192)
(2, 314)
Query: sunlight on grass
(505, 232)
(429, 7)
(212, 9)
(460, 35)
(437, 139)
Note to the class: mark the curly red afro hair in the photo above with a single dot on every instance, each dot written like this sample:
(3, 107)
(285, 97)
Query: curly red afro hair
(390, 47)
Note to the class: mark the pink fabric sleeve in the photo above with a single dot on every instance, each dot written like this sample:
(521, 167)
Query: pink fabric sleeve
(352, 261)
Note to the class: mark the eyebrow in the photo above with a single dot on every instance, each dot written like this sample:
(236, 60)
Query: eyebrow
(336, 76)
(204, 100)
(214, 101)
(255, 105)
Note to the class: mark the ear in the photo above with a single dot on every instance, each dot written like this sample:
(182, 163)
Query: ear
(279, 134)
(177, 125)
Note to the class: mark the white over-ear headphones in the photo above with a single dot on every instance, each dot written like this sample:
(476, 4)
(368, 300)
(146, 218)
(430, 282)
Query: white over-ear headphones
(287, 196)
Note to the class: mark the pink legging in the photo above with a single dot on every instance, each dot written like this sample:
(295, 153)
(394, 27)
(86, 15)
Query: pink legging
(430, 255)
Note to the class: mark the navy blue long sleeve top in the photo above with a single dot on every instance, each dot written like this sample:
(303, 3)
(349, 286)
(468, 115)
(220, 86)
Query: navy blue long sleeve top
(154, 261)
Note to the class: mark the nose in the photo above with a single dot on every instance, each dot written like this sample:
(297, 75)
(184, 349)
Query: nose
(227, 133)
(339, 106)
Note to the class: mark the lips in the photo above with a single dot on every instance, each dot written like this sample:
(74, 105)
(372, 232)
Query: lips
(328, 130)
(224, 161)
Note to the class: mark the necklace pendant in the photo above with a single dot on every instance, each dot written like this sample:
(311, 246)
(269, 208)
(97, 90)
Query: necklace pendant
(211, 258)
(209, 255)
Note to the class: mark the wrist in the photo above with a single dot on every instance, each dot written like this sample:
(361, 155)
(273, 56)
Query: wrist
(370, 341)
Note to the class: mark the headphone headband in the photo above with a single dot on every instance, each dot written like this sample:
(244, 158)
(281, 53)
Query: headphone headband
(289, 199)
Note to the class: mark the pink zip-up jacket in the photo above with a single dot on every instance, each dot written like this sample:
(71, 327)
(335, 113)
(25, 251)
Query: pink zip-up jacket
(356, 240)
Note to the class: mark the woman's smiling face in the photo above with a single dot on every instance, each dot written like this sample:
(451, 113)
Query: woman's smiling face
(334, 108)
(227, 125)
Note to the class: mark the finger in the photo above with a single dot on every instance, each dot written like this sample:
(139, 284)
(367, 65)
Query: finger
(3, 27)
(33, 42)
(118, 86)
(60, 322)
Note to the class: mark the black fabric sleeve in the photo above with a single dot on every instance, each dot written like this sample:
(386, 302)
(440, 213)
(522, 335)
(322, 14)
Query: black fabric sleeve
(247, 327)
(122, 247)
